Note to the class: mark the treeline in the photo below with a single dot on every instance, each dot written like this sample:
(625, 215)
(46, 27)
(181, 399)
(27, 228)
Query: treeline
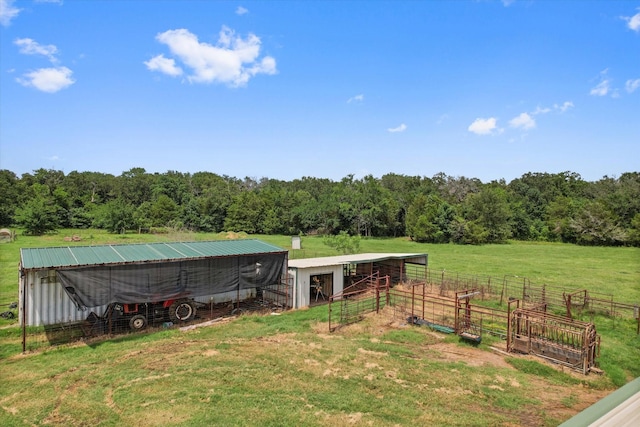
(441, 209)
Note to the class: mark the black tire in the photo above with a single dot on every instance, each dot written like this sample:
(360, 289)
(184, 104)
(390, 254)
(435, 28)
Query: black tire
(138, 322)
(182, 310)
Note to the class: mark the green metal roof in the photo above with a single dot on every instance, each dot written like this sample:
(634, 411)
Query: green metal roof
(620, 408)
(78, 256)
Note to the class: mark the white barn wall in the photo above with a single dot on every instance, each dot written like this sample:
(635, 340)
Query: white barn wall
(302, 281)
(47, 303)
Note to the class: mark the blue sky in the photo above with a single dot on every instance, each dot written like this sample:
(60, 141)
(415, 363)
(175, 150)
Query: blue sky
(481, 89)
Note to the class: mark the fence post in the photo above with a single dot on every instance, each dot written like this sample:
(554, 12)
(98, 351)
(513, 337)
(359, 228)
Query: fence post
(386, 286)
(330, 301)
(413, 300)
(423, 295)
(377, 295)
(24, 314)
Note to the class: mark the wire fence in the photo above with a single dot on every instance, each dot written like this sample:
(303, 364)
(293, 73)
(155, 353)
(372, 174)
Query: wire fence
(118, 319)
(429, 297)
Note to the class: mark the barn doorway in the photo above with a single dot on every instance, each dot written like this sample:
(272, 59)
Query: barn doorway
(321, 287)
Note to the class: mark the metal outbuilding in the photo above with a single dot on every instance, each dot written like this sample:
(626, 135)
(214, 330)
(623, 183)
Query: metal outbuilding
(315, 279)
(59, 284)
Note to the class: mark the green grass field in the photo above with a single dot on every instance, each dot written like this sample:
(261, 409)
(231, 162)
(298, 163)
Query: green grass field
(288, 370)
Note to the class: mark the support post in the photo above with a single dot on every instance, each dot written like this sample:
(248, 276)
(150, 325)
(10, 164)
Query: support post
(24, 316)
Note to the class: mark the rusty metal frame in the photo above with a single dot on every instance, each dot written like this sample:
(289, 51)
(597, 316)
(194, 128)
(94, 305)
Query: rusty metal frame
(530, 330)
(358, 299)
(564, 341)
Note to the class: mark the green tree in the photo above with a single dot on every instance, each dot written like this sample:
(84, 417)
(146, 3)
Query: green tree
(213, 195)
(634, 231)
(116, 216)
(164, 211)
(39, 214)
(489, 211)
(468, 232)
(403, 190)
(559, 213)
(142, 217)
(343, 242)
(430, 219)
(174, 185)
(135, 186)
(596, 225)
(305, 213)
(621, 196)
(8, 197)
(455, 189)
(245, 213)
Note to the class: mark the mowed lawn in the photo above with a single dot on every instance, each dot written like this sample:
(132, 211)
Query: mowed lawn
(288, 369)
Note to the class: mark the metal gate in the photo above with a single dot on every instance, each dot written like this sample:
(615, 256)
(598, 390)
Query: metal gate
(362, 297)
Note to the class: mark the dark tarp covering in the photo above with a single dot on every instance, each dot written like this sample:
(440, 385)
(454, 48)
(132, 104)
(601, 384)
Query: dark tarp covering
(154, 282)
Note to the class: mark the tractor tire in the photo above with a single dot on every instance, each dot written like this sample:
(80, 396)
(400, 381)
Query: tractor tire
(138, 322)
(182, 310)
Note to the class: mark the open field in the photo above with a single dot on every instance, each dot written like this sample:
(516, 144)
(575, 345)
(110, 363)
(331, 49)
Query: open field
(288, 370)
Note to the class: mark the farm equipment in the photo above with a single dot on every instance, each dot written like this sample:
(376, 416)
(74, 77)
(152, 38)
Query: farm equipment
(9, 314)
(137, 316)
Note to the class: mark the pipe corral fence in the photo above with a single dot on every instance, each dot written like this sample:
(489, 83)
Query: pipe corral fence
(533, 319)
(562, 340)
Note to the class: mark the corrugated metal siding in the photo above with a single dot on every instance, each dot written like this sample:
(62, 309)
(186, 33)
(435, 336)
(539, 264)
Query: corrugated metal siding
(48, 304)
(75, 256)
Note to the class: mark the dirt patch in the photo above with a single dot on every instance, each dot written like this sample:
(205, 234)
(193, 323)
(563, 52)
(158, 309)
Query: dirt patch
(470, 355)
(231, 235)
(553, 402)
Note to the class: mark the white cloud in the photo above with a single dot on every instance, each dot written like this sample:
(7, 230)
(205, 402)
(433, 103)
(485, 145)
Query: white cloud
(49, 80)
(633, 22)
(400, 128)
(601, 89)
(524, 121)
(561, 108)
(541, 110)
(604, 87)
(241, 10)
(163, 65)
(358, 98)
(232, 61)
(442, 119)
(632, 85)
(31, 47)
(7, 12)
(484, 126)
(507, 3)
(564, 107)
